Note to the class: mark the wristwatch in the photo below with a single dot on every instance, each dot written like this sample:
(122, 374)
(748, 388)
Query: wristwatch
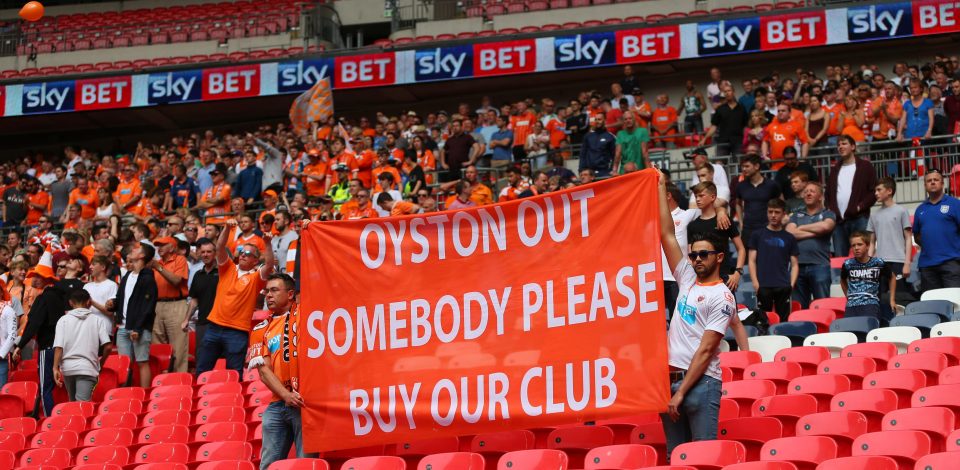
(739, 271)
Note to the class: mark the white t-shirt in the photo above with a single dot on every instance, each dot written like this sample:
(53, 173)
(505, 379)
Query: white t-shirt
(681, 218)
(101, 292)
(127, 292)
(720, 179)
(699, 308)
(845, 187)
(8, 329)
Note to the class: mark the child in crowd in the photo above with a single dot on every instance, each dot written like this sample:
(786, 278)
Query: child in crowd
(80, 348)
(8, 337)
(860, 279)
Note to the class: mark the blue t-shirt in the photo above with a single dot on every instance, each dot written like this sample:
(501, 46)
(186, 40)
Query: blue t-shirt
(487, 133)
(184, 194)
(505, 152)
(774, 250)
(937, 228)
(918, 118)
(863, 280)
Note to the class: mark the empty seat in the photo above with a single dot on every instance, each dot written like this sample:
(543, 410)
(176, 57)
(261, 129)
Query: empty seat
(107, 437)
(819, 317)
(494, 445)
(805, 451)
(809, 357)
(921, 321)
(903, 382)
(855, 368)
(879, 352)
(622, 427)
(75, 408)
(786, 408)
(114, 420)
(796, 331)
(951, 294)
(708, 454)
(76, 424)
(761, 465)
(903, 446)
(217, 376)
(652, 435)
(167, 452)
(949, 346)
(538, 459)
(944, 308)
(221, 432)
(768, 346)
(171, 378)
(25, 393)
(737, 361)
(165, 433)
(49, 457)
(842, 426)
(23, 425)
(752, 432)
(779, 373)
(576, 441)
(950, 328)
(900, 336)
(930, 363)
(936, 421)
(103, 455)
(821, 387)
(833, 341)
(838, 304)
(938, 395)
(950, 375)
(452, 461)
(860, 462)
(859, 326)
(620, 456)
(58, 439)
(229, 450)
(300, 464)
(745, 392)
(873, 403)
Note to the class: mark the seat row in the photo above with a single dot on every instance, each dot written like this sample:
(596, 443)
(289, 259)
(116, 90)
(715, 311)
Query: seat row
(489, 9)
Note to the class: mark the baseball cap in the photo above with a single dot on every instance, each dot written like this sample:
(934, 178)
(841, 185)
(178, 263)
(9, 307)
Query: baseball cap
(270, 193)
(699, 151)
(220, 168)
(164, 241)
(340, 167)
(636, 91)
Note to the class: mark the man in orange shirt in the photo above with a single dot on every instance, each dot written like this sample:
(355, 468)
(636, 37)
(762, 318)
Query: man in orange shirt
(521, 124)
(396, 207)
(228, 334)
(342, 156)
(384, 164)
(129, 192)
(316, 175)
(782, 133)
(171, 273)
(887, 110)
(86, 198)
(641, 108)
(360, 207)
(216, 199)
(834, 109)
(244, 234)
(37, 202)
(663, 120)
(366, 157)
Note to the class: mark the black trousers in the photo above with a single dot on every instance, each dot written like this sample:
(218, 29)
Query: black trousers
(775, 299)
(940, 276)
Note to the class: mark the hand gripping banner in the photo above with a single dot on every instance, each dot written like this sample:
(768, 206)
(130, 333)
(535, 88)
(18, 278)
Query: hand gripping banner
(536, 312)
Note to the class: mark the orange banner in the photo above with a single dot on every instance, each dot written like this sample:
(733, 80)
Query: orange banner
(531, 313)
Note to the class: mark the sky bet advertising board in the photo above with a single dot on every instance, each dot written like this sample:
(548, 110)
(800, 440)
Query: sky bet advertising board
(626, 44)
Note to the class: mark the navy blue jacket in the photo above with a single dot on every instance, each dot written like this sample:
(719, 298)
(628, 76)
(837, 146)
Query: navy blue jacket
(598, 150)
(250, 183)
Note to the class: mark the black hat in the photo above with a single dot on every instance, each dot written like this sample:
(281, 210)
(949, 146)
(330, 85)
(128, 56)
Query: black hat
(699, 151)
(220, 168)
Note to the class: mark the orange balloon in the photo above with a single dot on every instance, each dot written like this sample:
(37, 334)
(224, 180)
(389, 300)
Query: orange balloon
(32, 11)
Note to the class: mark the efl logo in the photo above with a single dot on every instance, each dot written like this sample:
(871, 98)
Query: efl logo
(879, 21)
(504, 58)
(366, 70)
(728, 36)
(174, 87)
(224, 83)
(103, 93)
(52, 97)
(443, 63)
(935, 17)
(793, 31)
(302, 74)
(648, 44)
(583, 50)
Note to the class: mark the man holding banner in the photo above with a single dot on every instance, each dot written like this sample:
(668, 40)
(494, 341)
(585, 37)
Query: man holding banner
(706, 308)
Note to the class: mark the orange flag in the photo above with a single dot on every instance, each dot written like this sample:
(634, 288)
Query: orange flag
(313, 105)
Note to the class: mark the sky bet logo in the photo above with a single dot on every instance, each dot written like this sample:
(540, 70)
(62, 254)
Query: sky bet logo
(583, 50)
(302, 74)
(880, 21)
(728, 36)
(173, 87)
(444, 63)
(52, 97)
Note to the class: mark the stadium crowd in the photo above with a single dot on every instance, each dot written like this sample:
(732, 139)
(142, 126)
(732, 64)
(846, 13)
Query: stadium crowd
(198, 233)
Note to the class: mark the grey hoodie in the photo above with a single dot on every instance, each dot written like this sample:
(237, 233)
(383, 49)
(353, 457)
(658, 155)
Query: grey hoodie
(81, 333)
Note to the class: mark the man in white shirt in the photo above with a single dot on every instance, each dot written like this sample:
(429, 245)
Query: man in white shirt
(720, 178)
(705, 310)
(681, 218)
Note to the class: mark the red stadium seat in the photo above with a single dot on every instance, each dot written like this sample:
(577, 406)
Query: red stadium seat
(652, 435)
(300, 464)
(114, 420)
(171, 378)
(633, 19)
(708, 454)
(220, 414)
(621, 456)
(26, 392)
(168, 391)
(412, 452)
(936, 421)
(129, 405)
(948, 345)
(23, 425)
(860, 462)
(622, 427)
(164, 433)
(171, 403)
(107, 437)
(126, 393)
(161, 453)
(229, 450)
(786, 408)
(263, 397)
(873, 403)
(494, 445)
(655, 18)
(103, 454)
(40, 458)
(804, 451)
(903, 446)
(729, 409)
(837, 304)
(821, 387)
(950, 375)
(745, 392)
(220, 387)
(220, 432)
(930, 363)
(821, 317)
(855, 368)
(737, 361)
(12, 441)
(76, 424)
(809, 357)
(7, 459)
(879, 352)
(938, 395)
(375, 463)
(453, 460)
(166, 417)
(751, 432)
(227, 465)
(761, 465)
(227, 399)
(902, 381)
(576, 441)
(780, 373)
(54, 439)
(842, 426)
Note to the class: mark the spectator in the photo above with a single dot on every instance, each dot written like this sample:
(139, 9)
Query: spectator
(250, 179)
(860, 279)
(718, 224)
(663, 121)
(774, 263)
(598, 149)
(216, 199)
(237, 289)
(720, 178)
(727, 122)
(752, 196)
(706, 173)
(951, 106)
(521, 124)
(756, 130)
(681, 221)
(918, 115)
(128, 192)
(203, 290)
(136, 306)
(15, 204)
(781, 133)
(817, 123)
(747, 99)
(414, 175)
(715, 94)
(640, 107)
(798, 181)
(791, 165)
(171, 278)
(394, 207)
(892, 238)
(284, 236)
(385, 164)
(886, 111)
(632, 144)
(850, 193)
(462, 198)
(693, 107)
(37, 202)
(362, 209)
(936, 228)
(80, 347)
(9, 326)
(812, 227)
(272, 164)
(577, 123)
(386, 183)
(273, 353)
(501, 143)
(101, 289)
(59, 192)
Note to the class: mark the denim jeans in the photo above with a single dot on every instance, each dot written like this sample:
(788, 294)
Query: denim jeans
(841, 235)
(227, 343)
(281, 429)
(4, 371)
(699, 414)
(814, 280)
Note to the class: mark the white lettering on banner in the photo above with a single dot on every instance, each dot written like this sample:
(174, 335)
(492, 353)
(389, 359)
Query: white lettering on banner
(579, 50)
(647, 45)
(43, 97)
(441, 63)
(300, 75)
(180, 87)
(364, 70)
(230, 82)
(474, 232)
(724, 36)
(449, 400)
(869, 21)
(792, 30)
(944, 14)
(104, 92)
(504, 58)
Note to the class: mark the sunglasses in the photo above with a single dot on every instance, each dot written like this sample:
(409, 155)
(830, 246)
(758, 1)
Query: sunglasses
(694, 255)
(422, 195)
(61, 266)
(246, 253)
